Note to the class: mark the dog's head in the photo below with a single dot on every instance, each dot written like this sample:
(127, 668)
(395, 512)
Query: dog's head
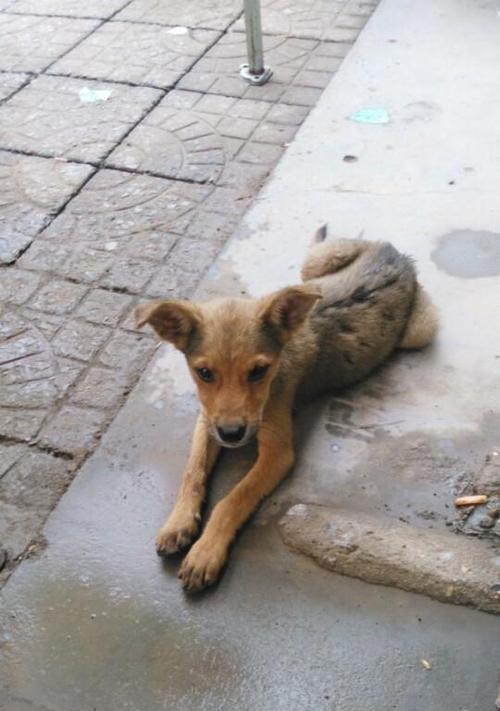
(233, 348)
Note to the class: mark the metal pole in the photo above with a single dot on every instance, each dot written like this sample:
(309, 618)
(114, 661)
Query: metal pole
(254, 72)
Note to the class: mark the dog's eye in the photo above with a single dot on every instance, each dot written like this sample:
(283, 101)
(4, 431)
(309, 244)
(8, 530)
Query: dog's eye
(205, 374)
(257, 373)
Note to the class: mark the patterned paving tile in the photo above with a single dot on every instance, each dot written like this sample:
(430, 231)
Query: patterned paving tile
(71, 8)
(301, 69)
(335, 20)
(31, 44)
(136, 53)
(10, 82)
(121, 226)
(49, 117)
(31, 191)
(214, 14)
(221, 140)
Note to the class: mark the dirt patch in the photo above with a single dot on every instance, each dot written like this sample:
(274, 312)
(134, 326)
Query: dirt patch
(483, 521)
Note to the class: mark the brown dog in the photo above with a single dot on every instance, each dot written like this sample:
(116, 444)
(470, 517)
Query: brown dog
(252, 359)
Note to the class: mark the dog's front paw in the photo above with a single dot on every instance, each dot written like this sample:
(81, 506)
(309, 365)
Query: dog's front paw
(202, 565)
(177, 533)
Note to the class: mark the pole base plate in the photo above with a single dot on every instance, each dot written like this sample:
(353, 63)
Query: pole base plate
(256, 79)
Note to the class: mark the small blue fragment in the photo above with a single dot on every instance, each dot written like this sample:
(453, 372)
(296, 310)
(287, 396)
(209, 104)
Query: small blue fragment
(370, 115)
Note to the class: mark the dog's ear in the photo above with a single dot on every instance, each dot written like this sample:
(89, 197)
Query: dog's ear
(286, 310)
(173, 321)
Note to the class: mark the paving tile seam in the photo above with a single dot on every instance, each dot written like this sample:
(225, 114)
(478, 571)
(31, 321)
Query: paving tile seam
(238, 30)
(101, 164)
(34, 75)
(47, 156)
(163, 92)
(17, 71)
(132, 84)
(28, 81)
(82, 39)
(87, 365)
(145, 85)
(113, 18)
(120, 169)
(34, 446)
(9, 441)
(50, 274)
(54, 452)
(310, 38)
(59, 210)
(271, 102)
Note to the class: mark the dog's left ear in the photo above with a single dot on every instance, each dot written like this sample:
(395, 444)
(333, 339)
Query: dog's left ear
(173, 321)
(287, 309)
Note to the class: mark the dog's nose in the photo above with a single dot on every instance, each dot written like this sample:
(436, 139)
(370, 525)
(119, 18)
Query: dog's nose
(232, 433)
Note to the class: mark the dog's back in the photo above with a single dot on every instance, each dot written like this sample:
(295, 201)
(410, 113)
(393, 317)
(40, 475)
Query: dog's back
(369, 294)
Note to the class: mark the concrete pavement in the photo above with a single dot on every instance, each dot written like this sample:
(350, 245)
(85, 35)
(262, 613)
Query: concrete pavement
(129, 149)
(96, 621)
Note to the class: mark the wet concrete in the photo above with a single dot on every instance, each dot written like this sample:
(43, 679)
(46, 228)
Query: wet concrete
(469, 254)
(97, 621)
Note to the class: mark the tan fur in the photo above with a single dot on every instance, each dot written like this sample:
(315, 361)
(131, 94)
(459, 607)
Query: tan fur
(360, 302)
(422, 325)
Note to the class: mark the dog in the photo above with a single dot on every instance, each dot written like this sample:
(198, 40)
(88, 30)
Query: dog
(253, 359)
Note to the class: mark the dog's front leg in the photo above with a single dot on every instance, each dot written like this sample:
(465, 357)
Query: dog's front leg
(208, 555)
(182, 524)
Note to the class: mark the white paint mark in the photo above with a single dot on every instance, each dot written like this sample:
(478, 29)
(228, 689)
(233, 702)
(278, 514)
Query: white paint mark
(178, 30)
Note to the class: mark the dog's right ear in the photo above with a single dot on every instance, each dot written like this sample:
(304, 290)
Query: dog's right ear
(286, 310)
(173, 321)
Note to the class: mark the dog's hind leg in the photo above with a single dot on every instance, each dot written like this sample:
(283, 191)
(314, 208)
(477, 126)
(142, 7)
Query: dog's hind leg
(422, 324)
(327, 257)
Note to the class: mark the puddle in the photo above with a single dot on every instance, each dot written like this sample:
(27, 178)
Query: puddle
(469, 254)
(93, 645)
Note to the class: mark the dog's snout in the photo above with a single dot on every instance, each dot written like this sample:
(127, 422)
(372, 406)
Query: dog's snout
(232, 434)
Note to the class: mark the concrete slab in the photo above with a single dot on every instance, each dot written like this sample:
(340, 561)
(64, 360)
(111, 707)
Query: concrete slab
(382, 550)
(97, 621)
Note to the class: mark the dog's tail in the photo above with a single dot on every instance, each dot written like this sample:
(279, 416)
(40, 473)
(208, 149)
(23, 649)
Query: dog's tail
(327, 257)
